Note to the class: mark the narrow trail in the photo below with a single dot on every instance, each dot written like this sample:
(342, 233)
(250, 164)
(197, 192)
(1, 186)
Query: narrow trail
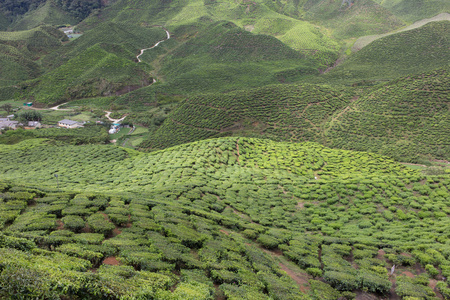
(113, 120)
(155, 45)
(366, 40)
(57, 107)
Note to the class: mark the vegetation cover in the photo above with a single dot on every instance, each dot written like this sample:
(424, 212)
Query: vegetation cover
(414, 51)
(405, 118)
(230, 217)
(228, 204)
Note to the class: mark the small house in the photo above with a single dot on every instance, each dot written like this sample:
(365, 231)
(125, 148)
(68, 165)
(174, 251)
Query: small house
(29, 104)
(33, 125)
(69, 124)
(7, 123)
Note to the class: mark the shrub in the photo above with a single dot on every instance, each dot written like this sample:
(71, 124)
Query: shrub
(374, 283)
(314, 272)
(341, 281)
(74, 223)
(432, 270)
(100, 223)
(268, 241)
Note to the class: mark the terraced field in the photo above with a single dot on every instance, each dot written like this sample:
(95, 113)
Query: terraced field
(233, 217)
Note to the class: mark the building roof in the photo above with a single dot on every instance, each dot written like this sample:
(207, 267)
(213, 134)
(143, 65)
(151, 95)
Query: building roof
(5, 124)
(68, 122)
(33, 123)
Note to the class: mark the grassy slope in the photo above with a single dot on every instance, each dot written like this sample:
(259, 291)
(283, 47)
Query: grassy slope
(282, 112)
(47, 13)
(94, 72)
(401, 119)
(413, 51)
(297, 34)
(364, 17)
(384, 119)
(415, 10)
(19, 50)
(99, 63)
(229, 212)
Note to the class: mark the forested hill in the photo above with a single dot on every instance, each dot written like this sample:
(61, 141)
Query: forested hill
(20, 14)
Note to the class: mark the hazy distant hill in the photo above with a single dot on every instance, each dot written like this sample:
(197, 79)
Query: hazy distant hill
(400, 54)
(27, 14)
(414, 10)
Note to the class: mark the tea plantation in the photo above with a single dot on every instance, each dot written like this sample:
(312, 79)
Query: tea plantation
(405, 118)
(234, 218)
(262, 160)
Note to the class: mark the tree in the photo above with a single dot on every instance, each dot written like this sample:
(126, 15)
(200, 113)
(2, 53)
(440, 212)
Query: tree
(7, 107)
(30, 115)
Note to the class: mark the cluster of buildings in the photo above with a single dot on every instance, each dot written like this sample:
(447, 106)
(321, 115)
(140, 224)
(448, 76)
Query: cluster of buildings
(9, 123)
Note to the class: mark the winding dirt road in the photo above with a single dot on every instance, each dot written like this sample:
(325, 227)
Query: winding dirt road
(155, 45)
(113, 120)
(366, 40)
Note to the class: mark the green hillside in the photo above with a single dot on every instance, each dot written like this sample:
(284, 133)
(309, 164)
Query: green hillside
(401, 54)
(27, 14)
(257, 17)
(404, 119)
(264, 159)
(415, 10)
(352, 18)
(224, 57)
(128, 39)
(94, 72)
(280, 112)
(47, 13)
(229, 218)
(19, 51)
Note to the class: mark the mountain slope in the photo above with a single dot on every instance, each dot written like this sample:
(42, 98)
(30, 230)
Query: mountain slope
(47, 13)
(415, 10)
(290, 112)
(400, 54)
(94, 72)
(19, 50)
(351, 18)
(406, 119)
(233, 217)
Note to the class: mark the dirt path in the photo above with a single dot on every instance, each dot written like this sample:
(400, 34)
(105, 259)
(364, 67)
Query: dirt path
(302, 282)
(155, 45)
(113, 120)
(366, 40)
(57, 107)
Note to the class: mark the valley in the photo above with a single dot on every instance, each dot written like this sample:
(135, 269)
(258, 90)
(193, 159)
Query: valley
(225, 150)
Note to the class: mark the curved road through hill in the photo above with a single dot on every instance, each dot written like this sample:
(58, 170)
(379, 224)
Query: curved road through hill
(155, 45)
(366, 40)
(139, 60)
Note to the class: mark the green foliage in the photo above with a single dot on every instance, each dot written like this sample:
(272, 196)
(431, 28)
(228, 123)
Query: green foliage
(394, 120)
(283, 112)
(100, 223)
(415, 10)
(410, 52)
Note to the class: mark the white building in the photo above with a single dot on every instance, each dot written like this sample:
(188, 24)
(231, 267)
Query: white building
(69, 124)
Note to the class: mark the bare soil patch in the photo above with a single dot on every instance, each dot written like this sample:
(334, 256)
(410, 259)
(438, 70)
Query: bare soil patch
(224, 231)
(112, 260)
(60, 225)
(301, 280)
